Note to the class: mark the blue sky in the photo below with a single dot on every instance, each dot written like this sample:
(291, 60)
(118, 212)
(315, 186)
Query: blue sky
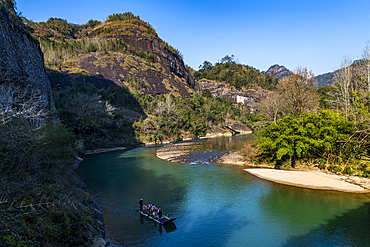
(260, 33)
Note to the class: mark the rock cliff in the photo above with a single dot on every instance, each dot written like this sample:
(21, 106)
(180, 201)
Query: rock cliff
(115, 52)
(21, 60)
(140, 36)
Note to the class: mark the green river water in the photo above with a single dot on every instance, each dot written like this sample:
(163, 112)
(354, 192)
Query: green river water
(217, 205)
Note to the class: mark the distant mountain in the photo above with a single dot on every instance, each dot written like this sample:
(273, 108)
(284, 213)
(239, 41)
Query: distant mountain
(123, 50)
(324, 79)
(278, 71)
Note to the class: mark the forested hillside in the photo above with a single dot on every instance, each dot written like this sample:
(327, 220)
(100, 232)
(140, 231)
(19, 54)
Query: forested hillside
(235, 75)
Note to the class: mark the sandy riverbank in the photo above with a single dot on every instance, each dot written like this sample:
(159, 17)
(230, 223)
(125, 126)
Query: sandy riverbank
(314, 180)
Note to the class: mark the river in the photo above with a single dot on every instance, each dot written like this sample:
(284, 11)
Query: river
(217, 205)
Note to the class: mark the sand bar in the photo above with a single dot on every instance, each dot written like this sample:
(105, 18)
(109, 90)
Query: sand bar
(312, 180)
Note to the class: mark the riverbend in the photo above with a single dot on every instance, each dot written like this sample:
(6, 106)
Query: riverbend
(217, 205)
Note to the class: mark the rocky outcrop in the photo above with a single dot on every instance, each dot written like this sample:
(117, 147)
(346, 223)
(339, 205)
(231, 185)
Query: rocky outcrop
(249, 98)
(120, 68)
(140, 36)
(278, 71)
(21, 59)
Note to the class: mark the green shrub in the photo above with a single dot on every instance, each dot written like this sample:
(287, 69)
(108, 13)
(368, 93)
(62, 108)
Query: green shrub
(335, 168)
(311, 136)
(348, 170)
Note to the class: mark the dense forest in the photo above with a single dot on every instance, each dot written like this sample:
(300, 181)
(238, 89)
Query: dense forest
(159, 119)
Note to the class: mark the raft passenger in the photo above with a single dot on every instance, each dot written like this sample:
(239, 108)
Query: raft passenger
(141, 203)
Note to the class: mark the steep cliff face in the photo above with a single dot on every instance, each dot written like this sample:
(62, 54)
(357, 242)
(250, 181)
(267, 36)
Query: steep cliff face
(21, 59)
(116, 52)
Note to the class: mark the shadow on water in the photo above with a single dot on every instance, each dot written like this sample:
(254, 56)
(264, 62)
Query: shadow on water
(169, 227)
(211, 229)
(349, 229)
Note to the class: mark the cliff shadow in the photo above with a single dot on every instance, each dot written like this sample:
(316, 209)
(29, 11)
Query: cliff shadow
(99, 112)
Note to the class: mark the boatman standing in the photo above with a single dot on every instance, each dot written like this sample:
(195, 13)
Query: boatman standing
(141, 203)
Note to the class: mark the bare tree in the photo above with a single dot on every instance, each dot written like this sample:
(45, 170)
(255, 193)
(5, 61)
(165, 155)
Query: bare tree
(366, 71)
(343, 85)
(167, 108)
(271, 108)
(297, 92)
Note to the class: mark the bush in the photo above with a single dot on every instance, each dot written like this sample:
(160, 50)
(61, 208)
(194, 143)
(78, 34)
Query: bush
(313, 136)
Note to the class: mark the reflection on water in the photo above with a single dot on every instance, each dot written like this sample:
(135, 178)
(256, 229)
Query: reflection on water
(217, 205)
(226, 143)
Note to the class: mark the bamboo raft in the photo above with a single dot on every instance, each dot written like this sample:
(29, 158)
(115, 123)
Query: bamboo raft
(163, 220)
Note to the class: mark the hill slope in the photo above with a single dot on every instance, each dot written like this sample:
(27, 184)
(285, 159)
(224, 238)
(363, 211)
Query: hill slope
(121, 50)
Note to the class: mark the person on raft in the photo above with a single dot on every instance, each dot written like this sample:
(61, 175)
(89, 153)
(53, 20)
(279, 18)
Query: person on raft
(141, 203)
(160, 213)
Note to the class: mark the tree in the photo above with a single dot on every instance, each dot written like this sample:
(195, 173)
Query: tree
(206, 65)
(311, 136)
(297, 92)
(271, 108)
(343, 85)
(206, 93)
(85, 112)
(366, 59)
(227, 59)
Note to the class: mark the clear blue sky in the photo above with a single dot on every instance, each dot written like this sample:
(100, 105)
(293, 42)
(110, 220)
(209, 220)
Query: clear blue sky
(313, 34)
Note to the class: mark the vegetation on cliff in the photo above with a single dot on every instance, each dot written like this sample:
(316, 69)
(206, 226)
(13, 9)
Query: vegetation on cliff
(61, 40)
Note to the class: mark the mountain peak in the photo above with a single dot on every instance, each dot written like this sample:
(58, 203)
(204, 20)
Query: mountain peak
(278, 71)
